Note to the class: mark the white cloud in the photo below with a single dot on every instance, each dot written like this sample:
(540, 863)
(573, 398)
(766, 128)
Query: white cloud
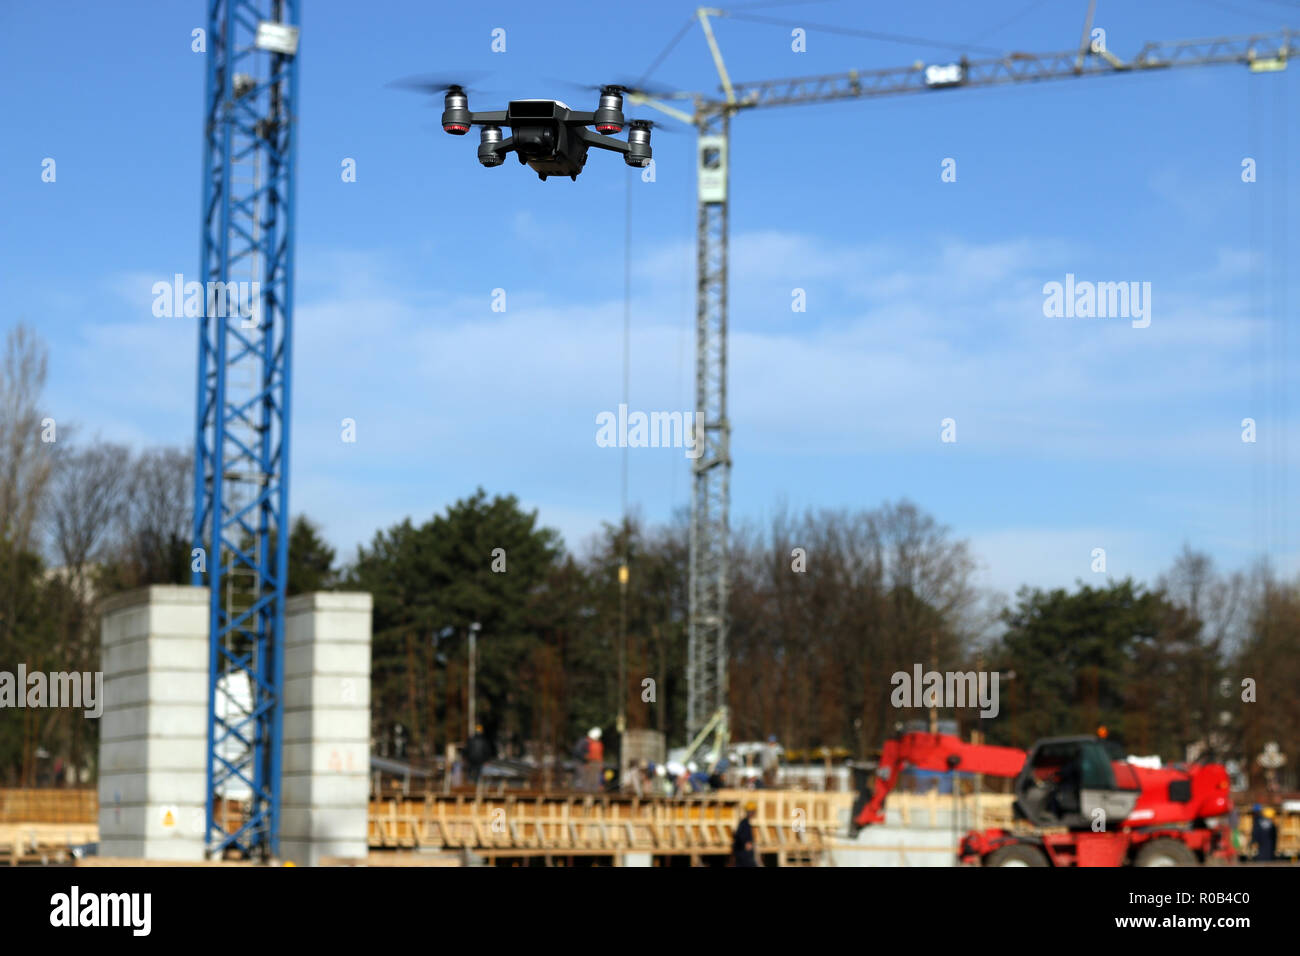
(448, 394)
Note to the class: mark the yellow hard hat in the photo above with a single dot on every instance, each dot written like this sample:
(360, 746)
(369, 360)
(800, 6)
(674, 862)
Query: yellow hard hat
(750, 806)
(1270, 812)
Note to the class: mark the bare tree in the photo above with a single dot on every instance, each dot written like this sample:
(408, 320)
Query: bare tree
(922, 560)
(24, 457)
(156, 523)
(87, 494)
(87, 502)
(827, 605)
(1222, 604)
(25, 628)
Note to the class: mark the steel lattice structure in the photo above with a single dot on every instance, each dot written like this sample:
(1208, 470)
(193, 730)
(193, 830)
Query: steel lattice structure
(1252, 50)
(241, 449)
(711, 471)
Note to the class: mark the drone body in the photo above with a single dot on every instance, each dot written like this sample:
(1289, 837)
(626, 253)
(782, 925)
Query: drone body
(547, 135)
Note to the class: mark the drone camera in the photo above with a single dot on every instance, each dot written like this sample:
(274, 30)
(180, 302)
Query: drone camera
(489, 140)
(535, 141)
(638, 144)
(456, 115)
(609, 114)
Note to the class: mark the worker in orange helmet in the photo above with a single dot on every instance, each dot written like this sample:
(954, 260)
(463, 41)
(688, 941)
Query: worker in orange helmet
(595, 758)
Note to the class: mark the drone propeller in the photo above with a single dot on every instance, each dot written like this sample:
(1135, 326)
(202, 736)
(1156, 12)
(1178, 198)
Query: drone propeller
(671, 128)
(436, 83)
(653, 90)
(456, 115)
(656, 125)
(625, 88)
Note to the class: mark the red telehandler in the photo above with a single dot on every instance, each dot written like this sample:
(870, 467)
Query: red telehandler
(1090, 806)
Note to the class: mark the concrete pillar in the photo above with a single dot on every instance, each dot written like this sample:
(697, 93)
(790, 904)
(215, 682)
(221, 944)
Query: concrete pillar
(153, 732)
(325, 789)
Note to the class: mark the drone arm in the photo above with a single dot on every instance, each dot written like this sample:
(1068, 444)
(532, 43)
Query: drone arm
(602, 141)
(489, 118)
(636, 151)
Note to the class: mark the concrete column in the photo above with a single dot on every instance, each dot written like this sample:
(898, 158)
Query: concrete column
(153, 732)
(325, 789)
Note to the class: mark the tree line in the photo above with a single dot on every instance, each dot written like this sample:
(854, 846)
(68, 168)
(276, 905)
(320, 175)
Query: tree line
(825, 606)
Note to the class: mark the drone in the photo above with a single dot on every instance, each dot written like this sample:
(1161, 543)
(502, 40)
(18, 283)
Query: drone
(547, 135)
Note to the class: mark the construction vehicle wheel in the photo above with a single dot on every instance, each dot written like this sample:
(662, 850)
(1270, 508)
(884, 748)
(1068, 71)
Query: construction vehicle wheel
(1165, 853)
(1017, 854)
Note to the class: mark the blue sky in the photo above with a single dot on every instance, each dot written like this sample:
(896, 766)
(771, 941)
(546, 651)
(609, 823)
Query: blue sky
(924, 298)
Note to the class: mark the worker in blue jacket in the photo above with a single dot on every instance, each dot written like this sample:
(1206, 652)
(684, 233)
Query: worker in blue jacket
(742, 841)
(1263, 833)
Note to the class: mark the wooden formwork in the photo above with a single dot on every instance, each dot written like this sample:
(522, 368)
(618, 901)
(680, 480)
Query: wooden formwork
(20, 805)
(1288, 832)
(43, 842)
(974, 811)
(796, 826)
(787, 823)
(39, 826)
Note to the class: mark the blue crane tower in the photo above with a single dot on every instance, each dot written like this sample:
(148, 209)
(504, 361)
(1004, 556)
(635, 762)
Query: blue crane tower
(241, 446)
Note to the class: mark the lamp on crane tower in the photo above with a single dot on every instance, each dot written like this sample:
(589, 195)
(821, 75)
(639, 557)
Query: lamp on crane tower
(277, 38)
(713, 168)
(939, 75)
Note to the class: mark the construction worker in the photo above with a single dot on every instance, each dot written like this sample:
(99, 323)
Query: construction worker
(742, 841)
(634, 778)
(680, 779)
(595, 759)
(1263, 834)
(478, 751)
(663, 783)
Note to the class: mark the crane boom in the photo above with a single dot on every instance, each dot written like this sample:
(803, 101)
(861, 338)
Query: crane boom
(707, 689)
(1261, 52)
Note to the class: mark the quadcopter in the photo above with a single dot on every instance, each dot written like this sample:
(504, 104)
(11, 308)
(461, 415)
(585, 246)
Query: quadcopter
(547, 135)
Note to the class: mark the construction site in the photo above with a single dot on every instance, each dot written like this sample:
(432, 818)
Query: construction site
(581, 667)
